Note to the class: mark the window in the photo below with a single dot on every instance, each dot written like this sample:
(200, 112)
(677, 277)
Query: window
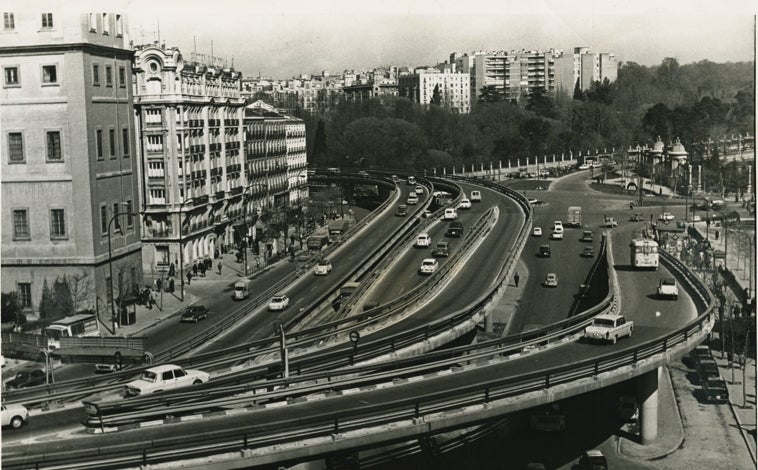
(125, 141)
(99, 143)
(129, 218)
(20, 224)
(11, 76)
(47, 20)
(112, 139)
(106, 24)
(9, 22)
(119, 26)
(25, 295)
(49, 74)
(57, 223)
(15, 147)
(96, 74)
(116, 222)
(93, 22)
(104, 220)
(122, 77)
(108, 75)
(54, 146)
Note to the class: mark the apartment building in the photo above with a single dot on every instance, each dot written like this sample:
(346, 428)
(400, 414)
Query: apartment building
(584, 67)
(190, 120)
(454, 88)
(69, 163)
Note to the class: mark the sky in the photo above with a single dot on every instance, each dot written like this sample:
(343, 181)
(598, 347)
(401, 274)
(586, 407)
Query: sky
(286, 38)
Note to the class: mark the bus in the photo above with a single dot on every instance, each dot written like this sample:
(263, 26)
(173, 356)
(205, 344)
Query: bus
(82, 324)
(644, 253)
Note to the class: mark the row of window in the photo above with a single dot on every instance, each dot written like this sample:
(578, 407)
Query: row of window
(9, 21)
(105, 24)
(12, 75)
(58, 226)
(112, 142)
(108, 75)
(16, 153)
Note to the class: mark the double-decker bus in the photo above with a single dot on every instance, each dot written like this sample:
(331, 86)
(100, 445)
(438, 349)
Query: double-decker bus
(82, 324)
(644, 253)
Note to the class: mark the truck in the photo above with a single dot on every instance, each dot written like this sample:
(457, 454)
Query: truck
(609, 328)
(574, 216)
(242, 289)
(337, 228)
(317, 242)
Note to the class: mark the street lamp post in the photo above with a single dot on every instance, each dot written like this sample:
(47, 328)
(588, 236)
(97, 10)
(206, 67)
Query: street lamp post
(110, 267)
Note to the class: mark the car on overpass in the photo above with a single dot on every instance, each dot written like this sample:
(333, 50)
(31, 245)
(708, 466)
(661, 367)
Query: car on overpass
(419, 189)
(464, 204)
(165, 377)
(537, 232)
(476, 196)
(609, 328)
(14, 415)
(544, 251)
(587, 236)
(551, 280)
(428, 266)
(557, 235)
(323, 267)
(667, 288)
(278, 303)
(26, 378)
(442, 249)
(423, 240)
(450, 214)
(412, 199)
(588, 252)
(402, 210)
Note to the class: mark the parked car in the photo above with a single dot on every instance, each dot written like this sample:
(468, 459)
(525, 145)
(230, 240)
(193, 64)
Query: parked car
(464, 204)
(278, 302)
(637, 218)
(593, 460)
(14, 415)
(476, 196)
(323, 267)
(551, 280)
(428, 266)
(165, 377)
(666, 217)
(667, 288)
(26, 378)
(423, 240)
(194, 313)
(537, 232)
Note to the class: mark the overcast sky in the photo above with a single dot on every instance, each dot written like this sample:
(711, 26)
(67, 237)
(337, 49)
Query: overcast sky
(286, 38)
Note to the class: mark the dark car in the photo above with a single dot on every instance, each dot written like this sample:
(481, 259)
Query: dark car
(27, 378)
(593, 460)
(588, 252)
(545, 251)
(194, 313)
(455, 230)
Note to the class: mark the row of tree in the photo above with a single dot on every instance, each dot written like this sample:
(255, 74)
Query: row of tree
(693, 102)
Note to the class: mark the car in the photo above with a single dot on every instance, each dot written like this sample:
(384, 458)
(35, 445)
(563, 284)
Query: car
(419, 189)
(426, 214)
(441, 250)
(394, 178)
(637, 218)
(592, 460)
(667, 288)
(537, 232)
(363, 173)
(411, 180)
(464, 204)
(476, 196)
(584, 166)
(453, 232)
(608, 327)
(14, 415)
(610, 222)
(194, 313)
(323, 267)
(428, 266)
(412, 199)
(450, 214)
(27, 378)
(423, 240)
(587, 236)
(401, 211)
(588, 252)
(627, 408)
(557, 226)
(551, 280)
(545, 251)
(534, 201)
(666, 217)
(165, 377)
(105, 368)
(557, 235)
(278, 302)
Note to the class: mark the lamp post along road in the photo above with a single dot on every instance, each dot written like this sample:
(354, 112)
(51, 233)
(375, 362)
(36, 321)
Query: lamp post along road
(181, 250)
(110, 267)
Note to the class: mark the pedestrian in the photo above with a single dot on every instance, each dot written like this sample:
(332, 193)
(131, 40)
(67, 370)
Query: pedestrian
(189, 277)
(219, 269)
(171, 270)
(202, 269)
(158, 284)
(194, 269)
(515, 279)
(171, 285)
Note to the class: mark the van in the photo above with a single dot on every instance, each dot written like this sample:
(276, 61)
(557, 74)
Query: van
(476, 196)
(242, 289)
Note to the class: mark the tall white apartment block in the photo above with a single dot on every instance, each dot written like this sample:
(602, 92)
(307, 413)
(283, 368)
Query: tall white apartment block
(454, 89)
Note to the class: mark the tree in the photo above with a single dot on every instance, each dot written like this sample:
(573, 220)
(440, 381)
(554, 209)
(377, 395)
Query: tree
(320, 148)
(541, 103)
(11, 309)
(63, 301)
(491, 94)
(657, 121)
(46, 303)
(436, 96)
(601, 92)
(578, 93)
(82, 291)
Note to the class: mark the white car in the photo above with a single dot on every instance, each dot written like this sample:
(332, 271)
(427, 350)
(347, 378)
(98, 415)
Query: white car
(423, 240)
(165, 377)
(551, 280)
(464, 204)
(323, 268)
(608, 327)
(450, 214)
(557, 235)
(666, 217)
(584, 166)
(412, 199)
(476, 196)
(428, 266)
(279, 302)
(537, 232)
(419, 189)
(557, 226)
(14, 415)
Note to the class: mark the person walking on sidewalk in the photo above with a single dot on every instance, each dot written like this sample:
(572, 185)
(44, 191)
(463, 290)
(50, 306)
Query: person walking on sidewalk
(515, 279)
(189, 277)
(219, 269)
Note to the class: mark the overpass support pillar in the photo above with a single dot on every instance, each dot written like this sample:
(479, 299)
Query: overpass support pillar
(488, 323)
(647, 395)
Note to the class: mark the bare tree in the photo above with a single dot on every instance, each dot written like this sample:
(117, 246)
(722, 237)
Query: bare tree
(82, 291)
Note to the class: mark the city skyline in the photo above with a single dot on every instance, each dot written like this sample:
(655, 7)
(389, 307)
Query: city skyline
(294, 38)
